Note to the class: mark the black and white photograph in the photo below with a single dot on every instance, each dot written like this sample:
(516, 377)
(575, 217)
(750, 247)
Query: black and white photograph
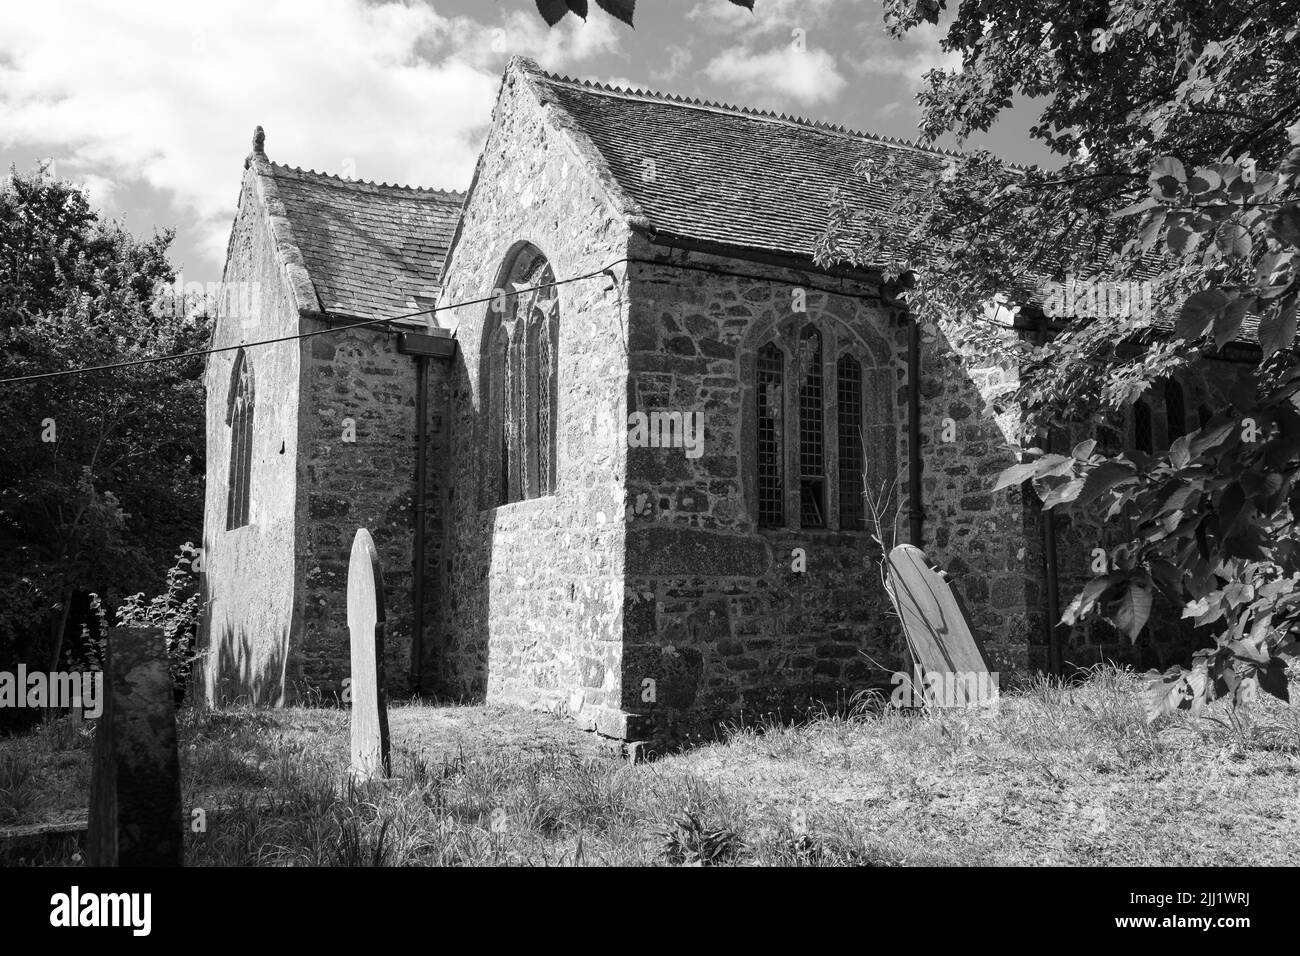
(730, 434)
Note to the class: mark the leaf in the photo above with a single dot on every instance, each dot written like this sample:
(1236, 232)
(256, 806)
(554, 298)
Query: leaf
(1169, 692)
(1134, 609)
(1233, 240)
(1063, 493)
(1086, 599)
(1204, 180)
(1278, 327)
(1101, 479)
(1084, 449)
(1179, 452)
(1167, 178)
(552, 11)
(1015, 475)
(1197, 312)
(1228, 322)
(621, 9)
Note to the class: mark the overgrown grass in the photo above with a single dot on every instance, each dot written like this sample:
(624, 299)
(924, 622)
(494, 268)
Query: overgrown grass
(1059, 774)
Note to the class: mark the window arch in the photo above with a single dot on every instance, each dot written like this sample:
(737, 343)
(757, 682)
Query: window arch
(239, 418)
(520, 378)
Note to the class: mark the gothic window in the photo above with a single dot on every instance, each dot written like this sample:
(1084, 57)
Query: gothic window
(239, 417)
(840, 436)
(771, 454)
(520, 377)
(848, 410)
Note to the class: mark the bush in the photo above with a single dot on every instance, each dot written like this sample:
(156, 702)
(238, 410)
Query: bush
(176, 611)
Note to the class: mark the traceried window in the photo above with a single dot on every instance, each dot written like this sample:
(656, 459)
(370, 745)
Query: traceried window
(824, 409)
(771, 460)
(239, 417)
(520, 377)
(848, 410)
(812, 447)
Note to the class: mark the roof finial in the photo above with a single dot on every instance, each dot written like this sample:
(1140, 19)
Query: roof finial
(259, 148)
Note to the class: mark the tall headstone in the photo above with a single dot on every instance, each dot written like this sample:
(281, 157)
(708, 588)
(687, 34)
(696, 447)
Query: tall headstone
(135, 780)
(366, 626)
(934, 620)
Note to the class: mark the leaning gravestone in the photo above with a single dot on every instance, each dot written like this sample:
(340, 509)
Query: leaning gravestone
(135, 780)
(934, 619)
(366, 626)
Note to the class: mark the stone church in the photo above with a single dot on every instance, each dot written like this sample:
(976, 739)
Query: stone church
(608, 425)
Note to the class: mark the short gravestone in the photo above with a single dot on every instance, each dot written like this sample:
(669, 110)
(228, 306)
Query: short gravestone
(934, 620)
(366, 625)
(135, 780)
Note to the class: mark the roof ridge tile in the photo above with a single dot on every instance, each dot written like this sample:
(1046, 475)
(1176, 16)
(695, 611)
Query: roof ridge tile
(756, 112)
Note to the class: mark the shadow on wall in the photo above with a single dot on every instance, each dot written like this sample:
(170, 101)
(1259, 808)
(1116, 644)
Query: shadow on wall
(235, 681)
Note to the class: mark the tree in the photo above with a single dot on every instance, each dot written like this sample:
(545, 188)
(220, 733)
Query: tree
(1180, 160)
(553, 11)
(102, 472)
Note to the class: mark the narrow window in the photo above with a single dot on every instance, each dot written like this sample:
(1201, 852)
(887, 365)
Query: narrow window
(239, 416)
(771, 454)
(1175, 412)
(520, 382)
(812, 451)
(848, 410)
(1143, 438)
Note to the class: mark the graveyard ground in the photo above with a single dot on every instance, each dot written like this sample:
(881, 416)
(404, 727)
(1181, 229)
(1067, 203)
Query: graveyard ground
(1060, 775)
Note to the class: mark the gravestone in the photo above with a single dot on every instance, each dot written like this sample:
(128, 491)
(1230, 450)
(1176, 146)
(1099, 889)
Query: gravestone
(934, 619)
(135, 780)
(366, 626)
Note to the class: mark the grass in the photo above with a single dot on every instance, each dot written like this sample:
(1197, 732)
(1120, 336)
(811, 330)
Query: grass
(1059, 775)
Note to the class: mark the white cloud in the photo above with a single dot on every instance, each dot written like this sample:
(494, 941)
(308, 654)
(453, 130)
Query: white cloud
(165, 95)
(807, 76)
(908, 59)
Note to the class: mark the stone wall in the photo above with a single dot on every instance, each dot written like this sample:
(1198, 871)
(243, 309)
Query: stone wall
(249, 573)
(721, 616)
(535, 616)
(986, 541)
(362, 475)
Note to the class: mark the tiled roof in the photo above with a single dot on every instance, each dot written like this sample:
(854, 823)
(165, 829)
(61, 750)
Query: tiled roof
(724, 174)
(370, 250)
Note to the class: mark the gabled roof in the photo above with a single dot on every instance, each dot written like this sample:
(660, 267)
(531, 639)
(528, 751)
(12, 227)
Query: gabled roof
(725, 174)
(370, 250)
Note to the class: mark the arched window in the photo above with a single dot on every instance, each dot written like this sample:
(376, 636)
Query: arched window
(835, 452)
(239, 417)
(771, 448)
(848, 428)
(1175, 412)
(520, 378)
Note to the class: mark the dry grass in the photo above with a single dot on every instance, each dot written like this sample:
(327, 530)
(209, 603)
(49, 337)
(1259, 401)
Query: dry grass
(1059, 775)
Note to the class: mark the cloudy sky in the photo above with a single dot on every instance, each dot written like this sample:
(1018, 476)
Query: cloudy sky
(151, 104)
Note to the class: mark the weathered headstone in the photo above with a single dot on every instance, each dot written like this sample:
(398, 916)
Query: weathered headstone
(934, 620)
(135, 780)
(366, 627)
